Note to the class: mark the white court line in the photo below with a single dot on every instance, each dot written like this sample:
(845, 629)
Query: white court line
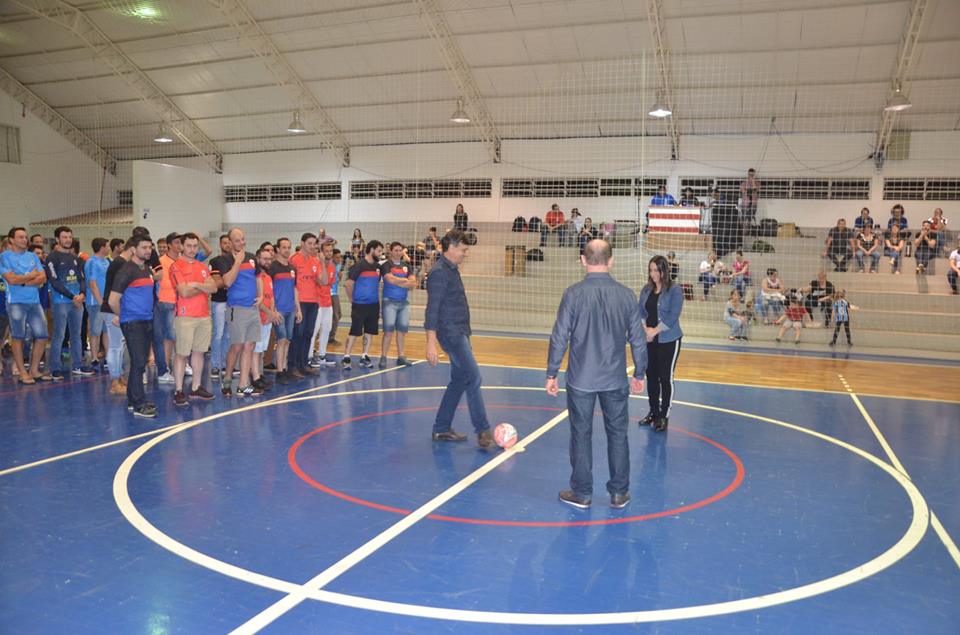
(275, 400)
(941, 532)
(271, 613)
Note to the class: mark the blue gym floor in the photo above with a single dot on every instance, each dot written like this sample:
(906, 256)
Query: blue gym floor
(760, 510)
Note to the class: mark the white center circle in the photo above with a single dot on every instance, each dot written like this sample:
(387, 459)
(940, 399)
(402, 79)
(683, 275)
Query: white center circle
(900, 549)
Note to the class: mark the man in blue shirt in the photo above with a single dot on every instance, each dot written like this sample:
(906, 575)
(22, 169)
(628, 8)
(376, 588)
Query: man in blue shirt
(447, 322)
(662, 199)
(398, 279)
(363, 291)
(24, 276)
(132, 299)
(596, 317)
(67, 297)
(243, 317)
(95, 273)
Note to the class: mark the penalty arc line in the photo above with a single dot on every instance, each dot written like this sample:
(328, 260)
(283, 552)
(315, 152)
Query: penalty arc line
(271, 613)
(938, 527)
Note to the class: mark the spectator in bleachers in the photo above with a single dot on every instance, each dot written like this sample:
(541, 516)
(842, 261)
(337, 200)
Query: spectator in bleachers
(661, 199)
(710, 271)
(868, 245)
(460, 218)
(687, 199)
(553, 223)
(838, 244)
(736, 317)
(924, 247)
(36, 240)
(938, 224)
(954, 270)
(771, 296)
(863, 219)
(897, 218)
(674, 266)
(576, 222)
(819, 293)
(749, 197)
(357, 240)
(741, 273)
(587, 233)
(706, 210)
(894, 245)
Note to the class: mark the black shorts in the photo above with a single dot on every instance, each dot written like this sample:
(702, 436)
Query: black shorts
(364, 318)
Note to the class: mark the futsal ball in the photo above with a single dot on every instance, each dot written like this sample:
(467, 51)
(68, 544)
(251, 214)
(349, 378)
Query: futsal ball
(505, 435)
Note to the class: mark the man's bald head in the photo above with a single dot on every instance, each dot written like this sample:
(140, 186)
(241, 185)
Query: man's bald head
(597, 253)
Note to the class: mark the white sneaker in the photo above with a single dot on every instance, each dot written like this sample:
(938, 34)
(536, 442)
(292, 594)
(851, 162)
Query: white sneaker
(166, 378)
(188, 371)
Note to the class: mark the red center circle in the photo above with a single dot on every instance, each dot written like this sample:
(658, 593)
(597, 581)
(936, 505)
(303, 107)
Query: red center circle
(723, 493)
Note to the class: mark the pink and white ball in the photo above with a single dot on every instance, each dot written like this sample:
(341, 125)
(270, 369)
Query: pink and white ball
(505, 435)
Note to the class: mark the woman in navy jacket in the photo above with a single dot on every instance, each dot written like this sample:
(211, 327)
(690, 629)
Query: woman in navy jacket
(661, 302)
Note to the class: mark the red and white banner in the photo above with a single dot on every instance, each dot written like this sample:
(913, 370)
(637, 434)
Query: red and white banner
(679, 220)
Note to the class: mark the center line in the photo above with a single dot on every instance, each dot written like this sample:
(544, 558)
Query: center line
(271, 613)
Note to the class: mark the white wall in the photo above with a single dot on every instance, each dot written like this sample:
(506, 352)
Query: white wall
(837, 155)
(54, 178)
(169, 198)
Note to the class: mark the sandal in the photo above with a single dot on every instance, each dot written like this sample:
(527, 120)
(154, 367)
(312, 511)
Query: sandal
(27, 381)
(43, 378)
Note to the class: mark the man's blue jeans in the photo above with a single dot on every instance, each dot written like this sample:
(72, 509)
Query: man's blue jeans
(221, 335)
(65, 313)
(613, 404)
(464, 377)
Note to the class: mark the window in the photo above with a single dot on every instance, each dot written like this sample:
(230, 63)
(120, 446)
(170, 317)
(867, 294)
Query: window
(125, 198)
(648, 186)
(446, 188)
(9, 144)
(809, 189)
(277, 192)
(616, 187)
(850, 189)
(785, 188)
(575, 187)
(921, 189)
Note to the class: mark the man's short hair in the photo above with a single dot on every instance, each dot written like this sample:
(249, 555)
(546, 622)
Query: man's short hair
(222, 236)
(115, 242)
(452, 238)
(136, 239)
(188, 236)
(97, 244)
(159, 240)
(280, 240)
(373, 244)
(307, 236)
(597, 252)
(395, 243)
(140, 230)
(13, 231)
(172, 236)
(60, 230)
(336, 252)
(40, 236)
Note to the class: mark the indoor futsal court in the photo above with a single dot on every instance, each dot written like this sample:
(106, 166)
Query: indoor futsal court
(288, 197)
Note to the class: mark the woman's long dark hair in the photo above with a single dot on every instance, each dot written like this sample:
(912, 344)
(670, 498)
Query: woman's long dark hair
(663, 266)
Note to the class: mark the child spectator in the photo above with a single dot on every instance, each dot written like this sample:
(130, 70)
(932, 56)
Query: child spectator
(792, 318)
(841, 316)
(736, 317)
(710, 271)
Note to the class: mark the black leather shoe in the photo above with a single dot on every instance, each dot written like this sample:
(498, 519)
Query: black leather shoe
(661, 424)
(449, 435)
(568, 497)
(619, 501)
(485, 440)
(648, 420)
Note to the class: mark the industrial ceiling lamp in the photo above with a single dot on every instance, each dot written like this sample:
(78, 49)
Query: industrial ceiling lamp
(162, 136)
(460, 115)
(295, 125)
(659, 109)
(898, 102)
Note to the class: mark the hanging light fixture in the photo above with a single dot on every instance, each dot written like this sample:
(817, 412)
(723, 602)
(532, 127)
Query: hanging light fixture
(460, 115)
(898, 102)
(659, 109)
(295, 125)
(162, 136)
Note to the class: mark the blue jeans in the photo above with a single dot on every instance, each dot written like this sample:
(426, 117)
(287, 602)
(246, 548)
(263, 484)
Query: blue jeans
(300, 346)
(396, 315)
(708, 280)
(284, 329)
(741, 283)
(162, 327)
(66, 313)
(952, 279)
(737, 328)
(613, 405)
(895, 256)
(114, 347)
(220, 343)
(27, 322)
(874, 259)
(464, 377)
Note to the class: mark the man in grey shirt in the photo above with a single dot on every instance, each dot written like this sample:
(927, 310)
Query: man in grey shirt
(595, 317)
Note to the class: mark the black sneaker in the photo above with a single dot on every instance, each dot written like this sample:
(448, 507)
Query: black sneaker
(282, 378)
(383, 362)
(365, 362)
(661, 424)
(648, 420)
(179, 399)
(147, 411)
(261, 384)
(619, 501)
(249, 391)
(345, 363)
(201, 393)
(403, 361)
(270, 368)
(568, 497)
